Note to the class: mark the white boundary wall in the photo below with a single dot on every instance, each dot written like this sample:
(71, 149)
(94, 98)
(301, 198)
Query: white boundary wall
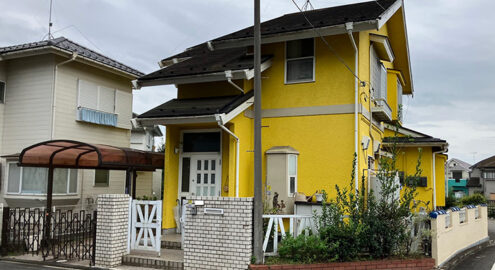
(450, 240)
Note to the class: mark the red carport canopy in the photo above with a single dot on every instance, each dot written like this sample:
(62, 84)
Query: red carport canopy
(74, 154)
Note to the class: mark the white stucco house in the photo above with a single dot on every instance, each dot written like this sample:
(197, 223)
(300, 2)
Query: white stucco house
(58, 89)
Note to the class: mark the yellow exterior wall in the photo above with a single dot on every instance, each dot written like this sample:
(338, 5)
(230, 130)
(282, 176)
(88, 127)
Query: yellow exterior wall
(325, 142)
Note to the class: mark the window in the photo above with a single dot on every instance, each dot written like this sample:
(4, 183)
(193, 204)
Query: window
(95, 97)
(378, 77)
(292, 174)
(102, 178)
(31, 180)
(300, 61)
(2, 92)
(489, 174)
(399, 98)
(201, 142)
(457, 175)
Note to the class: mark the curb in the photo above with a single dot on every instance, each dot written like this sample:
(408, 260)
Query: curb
(56, 264)
(453, 262)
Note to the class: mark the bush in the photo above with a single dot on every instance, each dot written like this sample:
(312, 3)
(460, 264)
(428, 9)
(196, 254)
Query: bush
(306, 249)
(474, 199)
(450, 201)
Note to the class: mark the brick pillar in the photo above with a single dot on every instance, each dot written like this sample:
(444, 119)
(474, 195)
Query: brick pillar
(219, 241)
(111, 229)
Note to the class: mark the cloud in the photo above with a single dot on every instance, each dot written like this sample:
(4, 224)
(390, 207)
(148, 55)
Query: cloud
(450, 42)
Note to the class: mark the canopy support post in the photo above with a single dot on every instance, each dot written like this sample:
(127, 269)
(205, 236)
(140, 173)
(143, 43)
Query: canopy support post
(49, 196)
(128, 181)
(134, 177)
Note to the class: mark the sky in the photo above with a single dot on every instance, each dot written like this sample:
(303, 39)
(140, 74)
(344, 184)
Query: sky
(450, 42)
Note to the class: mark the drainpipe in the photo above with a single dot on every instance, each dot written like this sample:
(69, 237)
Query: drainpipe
(228, 75)
(219, 118)
(74, 56)
(434, 178)
(349, 26)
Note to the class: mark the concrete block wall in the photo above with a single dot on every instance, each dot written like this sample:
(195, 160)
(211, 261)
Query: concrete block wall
(449, 241)
(111, 229)
(219, 241)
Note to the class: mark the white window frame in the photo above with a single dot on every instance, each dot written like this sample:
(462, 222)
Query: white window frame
(2, 99)
(299, 58)
(291, 175)
(485, 174)
(19, 190)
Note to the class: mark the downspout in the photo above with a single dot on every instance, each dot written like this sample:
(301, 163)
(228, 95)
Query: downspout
(74, 56)
(228, 75)
(435, 178)
(349, 26)
(220, 123)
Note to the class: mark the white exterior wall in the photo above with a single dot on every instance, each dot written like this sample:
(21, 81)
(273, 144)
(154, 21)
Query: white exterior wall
(3, 77)
(66, 126)
(25, 117)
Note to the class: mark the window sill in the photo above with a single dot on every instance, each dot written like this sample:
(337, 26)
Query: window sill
(95, 186)
(299, 82)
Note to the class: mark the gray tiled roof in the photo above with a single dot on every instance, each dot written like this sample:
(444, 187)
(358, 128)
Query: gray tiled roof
(458, 165)
(201, 60)
(70, 46)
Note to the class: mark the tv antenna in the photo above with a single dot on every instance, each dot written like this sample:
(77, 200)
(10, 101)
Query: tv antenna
(307, 6)
(50, 24)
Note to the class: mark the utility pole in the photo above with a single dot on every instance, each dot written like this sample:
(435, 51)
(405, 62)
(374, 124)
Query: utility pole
(258, 204)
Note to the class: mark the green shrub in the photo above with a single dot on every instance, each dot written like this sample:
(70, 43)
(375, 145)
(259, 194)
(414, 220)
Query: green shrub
(450, 201)
(474, 199)
(306, 249)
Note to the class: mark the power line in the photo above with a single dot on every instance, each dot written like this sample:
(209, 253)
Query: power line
(378, 3)
(326, 43)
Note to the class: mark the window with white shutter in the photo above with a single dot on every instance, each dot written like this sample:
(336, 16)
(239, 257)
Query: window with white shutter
(88, 95)
(123, 108)
(96, 104)
(106, 99)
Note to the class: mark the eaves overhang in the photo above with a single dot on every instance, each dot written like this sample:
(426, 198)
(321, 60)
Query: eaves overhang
(239, 74)
(65, 53)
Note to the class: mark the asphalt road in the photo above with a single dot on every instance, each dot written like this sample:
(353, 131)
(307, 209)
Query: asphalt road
(4, 265)
(483, 260)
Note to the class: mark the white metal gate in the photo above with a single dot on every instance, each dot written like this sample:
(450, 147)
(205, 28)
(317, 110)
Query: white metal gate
(146, 225)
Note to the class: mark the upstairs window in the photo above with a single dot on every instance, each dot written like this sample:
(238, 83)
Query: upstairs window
(489, 174)
(378, 77)
(2, 92)
(95, 97)
(300, 61)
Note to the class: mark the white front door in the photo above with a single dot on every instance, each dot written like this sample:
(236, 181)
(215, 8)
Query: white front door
(205, 175)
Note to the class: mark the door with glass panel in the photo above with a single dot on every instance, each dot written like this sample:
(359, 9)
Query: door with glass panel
(205, 175)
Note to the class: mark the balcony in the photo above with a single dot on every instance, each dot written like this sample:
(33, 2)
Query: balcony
(381, 111)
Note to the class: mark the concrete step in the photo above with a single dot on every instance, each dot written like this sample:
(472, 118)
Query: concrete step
(171, 241)
(170, 259)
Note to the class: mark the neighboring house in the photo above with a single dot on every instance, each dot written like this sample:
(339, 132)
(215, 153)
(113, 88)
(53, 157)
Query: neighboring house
(483, 174)
(316, 114)
(143, 138)
(457, 172)
(58, 89)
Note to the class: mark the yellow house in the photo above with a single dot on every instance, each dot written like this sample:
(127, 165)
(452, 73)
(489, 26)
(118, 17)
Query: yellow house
(329, 90)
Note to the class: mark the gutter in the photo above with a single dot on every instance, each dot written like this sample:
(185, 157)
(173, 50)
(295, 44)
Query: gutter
(220, 122)
(54, 99)
(349, 27)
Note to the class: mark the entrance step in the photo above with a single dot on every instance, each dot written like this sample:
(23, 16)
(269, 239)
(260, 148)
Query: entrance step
(170, 259)
(171, 241)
